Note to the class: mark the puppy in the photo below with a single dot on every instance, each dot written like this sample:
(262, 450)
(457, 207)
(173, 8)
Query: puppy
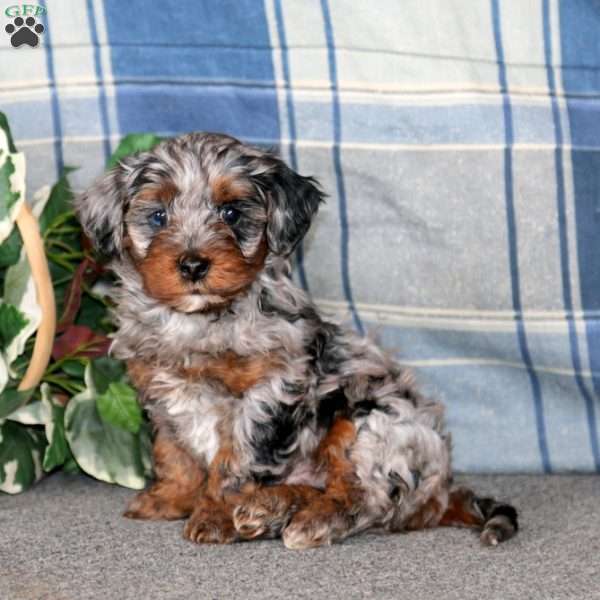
(270, 420)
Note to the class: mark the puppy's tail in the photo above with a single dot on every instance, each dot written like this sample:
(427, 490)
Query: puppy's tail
(497, 521)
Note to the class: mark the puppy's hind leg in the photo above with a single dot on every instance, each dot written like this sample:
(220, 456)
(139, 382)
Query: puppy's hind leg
(340, 510)
(179, 481)
(497, 521)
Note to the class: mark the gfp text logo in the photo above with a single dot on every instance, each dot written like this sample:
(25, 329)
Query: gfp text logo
(24, 29)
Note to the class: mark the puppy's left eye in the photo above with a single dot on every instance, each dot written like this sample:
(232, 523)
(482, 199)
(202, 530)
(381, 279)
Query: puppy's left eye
(158, 218)
(230, 215)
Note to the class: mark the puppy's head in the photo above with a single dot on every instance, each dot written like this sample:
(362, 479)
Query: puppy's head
(198, 216)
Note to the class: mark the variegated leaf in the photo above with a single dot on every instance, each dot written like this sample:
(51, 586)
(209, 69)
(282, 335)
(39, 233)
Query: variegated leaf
(19, 290)
(12, 321)
(12, 399)
(21, 451)
(33, 413)
(6, 140)
(102, 450)
(57, 451)
(12, 186)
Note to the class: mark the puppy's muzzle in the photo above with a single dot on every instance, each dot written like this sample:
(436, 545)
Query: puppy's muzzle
(193, 267)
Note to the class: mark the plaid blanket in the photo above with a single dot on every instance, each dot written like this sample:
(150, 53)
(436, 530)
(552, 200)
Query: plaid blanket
(458, 142)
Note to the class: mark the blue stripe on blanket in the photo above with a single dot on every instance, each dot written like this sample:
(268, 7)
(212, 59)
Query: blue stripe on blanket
(54, 103)
(291, 118)
(513, 244)
(337, 161)
(99, 80)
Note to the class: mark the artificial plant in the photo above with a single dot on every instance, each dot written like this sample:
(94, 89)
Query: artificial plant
(83, 414)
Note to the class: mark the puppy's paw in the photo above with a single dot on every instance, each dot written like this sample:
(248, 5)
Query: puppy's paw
(250, 520)
(210, 527)
(261, 516)
(308, 529)
(147, 505)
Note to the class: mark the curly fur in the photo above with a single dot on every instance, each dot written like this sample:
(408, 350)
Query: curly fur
(297, 426)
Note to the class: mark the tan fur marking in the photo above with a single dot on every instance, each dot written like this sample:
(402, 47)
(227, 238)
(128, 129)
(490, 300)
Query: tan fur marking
(211, 523)
(180, 480)
(220, 471)
(141, 374)
(333, 510)
(212, 519)
(236, 373)
(226, 188)
(266, 511)
(161, 277)
(165, 192)
(460, 511)
(332, 455)
(231, 272)
(428, 515)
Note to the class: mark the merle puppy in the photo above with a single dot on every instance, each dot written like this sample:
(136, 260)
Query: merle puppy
(269, 419)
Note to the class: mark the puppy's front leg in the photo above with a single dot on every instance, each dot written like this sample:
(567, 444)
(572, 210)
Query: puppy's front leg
(211, 521)
(179, 482)
(266, 510)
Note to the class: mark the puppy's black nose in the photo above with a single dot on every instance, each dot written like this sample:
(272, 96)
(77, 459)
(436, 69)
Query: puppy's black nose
(193, 267)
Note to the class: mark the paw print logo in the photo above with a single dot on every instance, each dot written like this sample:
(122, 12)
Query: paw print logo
(24, 32)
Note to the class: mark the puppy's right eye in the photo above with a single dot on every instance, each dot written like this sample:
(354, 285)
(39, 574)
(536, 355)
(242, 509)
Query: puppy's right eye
(158, 218)
(230, 215)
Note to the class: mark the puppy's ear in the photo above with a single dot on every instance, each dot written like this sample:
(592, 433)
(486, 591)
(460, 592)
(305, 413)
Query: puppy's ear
(294, 200)
(100, 210)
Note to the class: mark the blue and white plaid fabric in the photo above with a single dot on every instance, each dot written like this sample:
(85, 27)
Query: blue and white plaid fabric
(459, 143)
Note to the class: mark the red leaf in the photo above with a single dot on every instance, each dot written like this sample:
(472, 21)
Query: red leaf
(89, 270)
(72, 300)
(80, 341)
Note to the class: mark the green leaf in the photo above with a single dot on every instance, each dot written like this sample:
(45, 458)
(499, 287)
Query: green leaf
(12, 320)
(59, 201)
(5, 127)
(21, 449)
(132, 143)
(73, 368)
(91, 313)
(119, 406)
(8, 198)
(102, 450)
(57, 451)
(11, 399)
(70, 466)
(10, 249)
(104, 371)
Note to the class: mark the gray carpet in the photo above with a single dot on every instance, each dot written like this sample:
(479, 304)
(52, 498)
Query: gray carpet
(66, 540)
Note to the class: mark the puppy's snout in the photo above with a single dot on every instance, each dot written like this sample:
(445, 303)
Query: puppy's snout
(193, 267)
